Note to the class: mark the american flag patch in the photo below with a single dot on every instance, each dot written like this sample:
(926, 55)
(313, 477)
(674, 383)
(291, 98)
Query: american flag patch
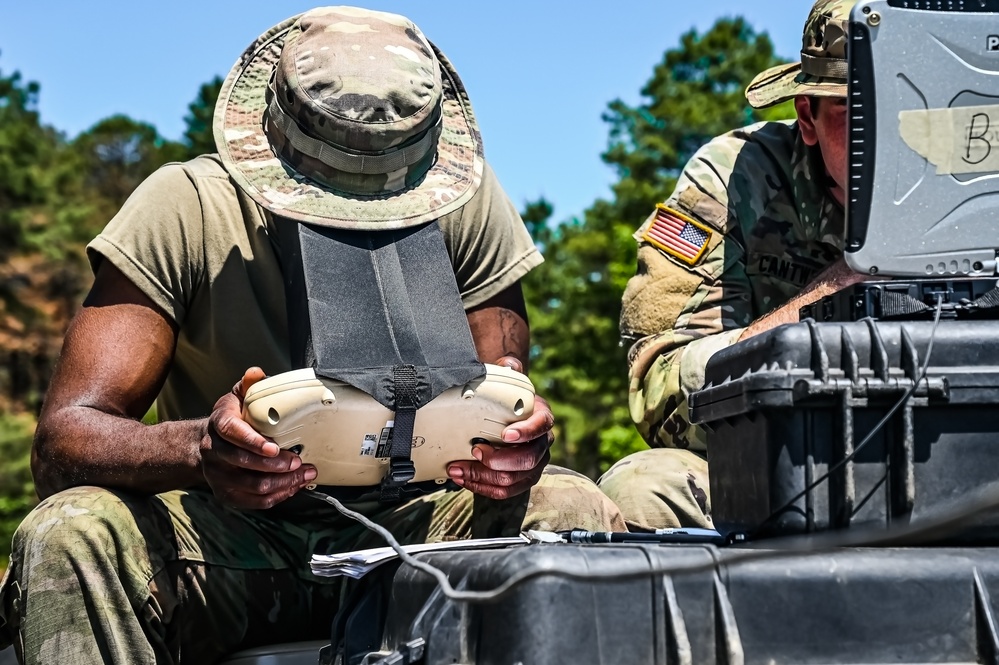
(677, 235)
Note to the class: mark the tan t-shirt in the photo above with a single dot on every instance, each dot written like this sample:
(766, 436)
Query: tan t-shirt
(200, 249)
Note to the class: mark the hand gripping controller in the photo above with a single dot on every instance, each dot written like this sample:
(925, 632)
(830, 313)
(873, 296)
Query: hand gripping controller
(344, 432)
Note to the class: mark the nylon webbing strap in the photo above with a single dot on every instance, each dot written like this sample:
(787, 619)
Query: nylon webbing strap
(401, 468)
(296, 300)
(388, 161)
(988, 300)
(381, 311)
(894, 303)
(834, 68)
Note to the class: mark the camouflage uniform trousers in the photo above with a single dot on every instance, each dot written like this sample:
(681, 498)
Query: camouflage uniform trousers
(100, 576)
(660, 488)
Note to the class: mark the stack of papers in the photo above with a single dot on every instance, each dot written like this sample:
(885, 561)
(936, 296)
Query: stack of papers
(359, 563)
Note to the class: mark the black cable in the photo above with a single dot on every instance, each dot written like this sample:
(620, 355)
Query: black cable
(870, 435)
(870, 495)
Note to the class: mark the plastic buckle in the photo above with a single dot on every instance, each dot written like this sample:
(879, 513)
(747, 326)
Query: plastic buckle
(408, 654)
(414, 649)
(400, 472)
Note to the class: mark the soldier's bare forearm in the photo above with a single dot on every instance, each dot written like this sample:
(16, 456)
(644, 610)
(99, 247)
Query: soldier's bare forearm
(833, 279)
(788, 313)
(80, 445)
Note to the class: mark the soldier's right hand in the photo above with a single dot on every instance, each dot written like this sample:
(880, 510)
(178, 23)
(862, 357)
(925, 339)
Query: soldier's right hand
(244, 468)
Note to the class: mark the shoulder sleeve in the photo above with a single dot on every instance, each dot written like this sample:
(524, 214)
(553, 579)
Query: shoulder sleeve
(707, 192)
(156, 240)
(680, 310)
(661, 295)
(489, 243)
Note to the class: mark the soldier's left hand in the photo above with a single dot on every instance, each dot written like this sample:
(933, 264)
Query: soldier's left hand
(513, 467)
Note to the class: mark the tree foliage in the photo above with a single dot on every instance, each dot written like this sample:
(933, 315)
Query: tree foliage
(17, 494)
(32, 173)
(55, 195)
(695, 93)
(199, 137)
(118, 153)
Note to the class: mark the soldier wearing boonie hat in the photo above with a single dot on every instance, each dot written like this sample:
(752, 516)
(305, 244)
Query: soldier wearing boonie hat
(142, 549)
(387, 141)
(752, 232)
(822, 70)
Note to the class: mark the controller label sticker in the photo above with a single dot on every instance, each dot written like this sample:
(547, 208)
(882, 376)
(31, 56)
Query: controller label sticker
(383, 439)
(368, 445)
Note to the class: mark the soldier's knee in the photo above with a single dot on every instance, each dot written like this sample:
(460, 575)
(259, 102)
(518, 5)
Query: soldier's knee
(660, 487)
(562, 474)
(575, 499)
(566, 485)
(81, 519)
(646, 470)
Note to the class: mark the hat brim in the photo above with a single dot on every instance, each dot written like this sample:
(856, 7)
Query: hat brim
(251, 161)
(783, 82)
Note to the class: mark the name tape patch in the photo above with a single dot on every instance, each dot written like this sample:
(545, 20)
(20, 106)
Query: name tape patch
(677, 235)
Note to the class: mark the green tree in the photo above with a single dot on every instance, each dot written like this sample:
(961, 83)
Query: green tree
(55, 196)
(695, 93)
(575, 361)
(39, 279)
(40, 222)
(17, 492)
(28, 153)
(199, 137)
(118, 153)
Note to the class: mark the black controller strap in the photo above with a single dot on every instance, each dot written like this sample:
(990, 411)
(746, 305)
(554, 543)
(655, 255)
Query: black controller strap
(381, 311)
(895, 304)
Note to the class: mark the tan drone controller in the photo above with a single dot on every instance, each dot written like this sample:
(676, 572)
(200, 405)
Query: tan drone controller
(344, 432)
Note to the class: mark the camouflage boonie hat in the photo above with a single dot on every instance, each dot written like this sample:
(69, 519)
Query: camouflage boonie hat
(822, 71)
(349, 118)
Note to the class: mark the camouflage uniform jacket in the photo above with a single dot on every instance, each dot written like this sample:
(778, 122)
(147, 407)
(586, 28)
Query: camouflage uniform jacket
(768, 226)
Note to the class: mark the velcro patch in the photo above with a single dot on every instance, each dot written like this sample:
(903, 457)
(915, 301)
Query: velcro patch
(677, 235)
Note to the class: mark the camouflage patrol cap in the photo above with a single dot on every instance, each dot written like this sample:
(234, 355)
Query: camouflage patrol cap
(822, 70)
(349, 118)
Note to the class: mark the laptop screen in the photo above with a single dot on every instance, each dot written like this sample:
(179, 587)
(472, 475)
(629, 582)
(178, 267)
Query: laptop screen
(923, 128)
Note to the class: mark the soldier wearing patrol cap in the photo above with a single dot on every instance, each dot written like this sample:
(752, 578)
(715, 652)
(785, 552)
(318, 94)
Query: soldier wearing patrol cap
(174, 542)
(753, 231)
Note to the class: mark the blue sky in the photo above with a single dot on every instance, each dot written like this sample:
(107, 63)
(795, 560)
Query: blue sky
(539, 74)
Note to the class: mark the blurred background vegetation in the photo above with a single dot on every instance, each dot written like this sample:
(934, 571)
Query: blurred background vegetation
(57, 192)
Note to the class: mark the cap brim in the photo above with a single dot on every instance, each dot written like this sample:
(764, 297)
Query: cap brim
(253, 164)
(783, 82)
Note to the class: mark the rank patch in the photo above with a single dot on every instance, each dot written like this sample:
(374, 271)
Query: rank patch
(677, 235)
